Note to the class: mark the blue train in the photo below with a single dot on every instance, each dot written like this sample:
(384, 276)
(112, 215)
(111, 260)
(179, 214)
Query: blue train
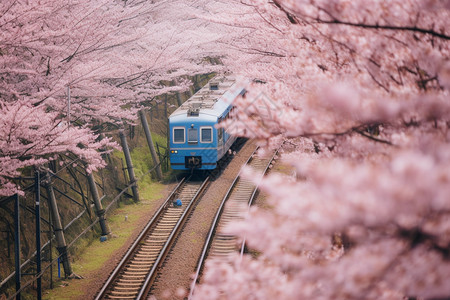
(195, 142)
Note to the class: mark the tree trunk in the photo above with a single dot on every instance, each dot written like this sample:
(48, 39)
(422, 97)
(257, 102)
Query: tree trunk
(98, 205)
(126, 152)
(57, 225)
(179, 101)
(151, 146)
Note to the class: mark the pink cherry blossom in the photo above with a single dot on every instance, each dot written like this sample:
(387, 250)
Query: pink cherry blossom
(362, 106)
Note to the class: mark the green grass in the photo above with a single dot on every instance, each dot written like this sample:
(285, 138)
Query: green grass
(94, 256)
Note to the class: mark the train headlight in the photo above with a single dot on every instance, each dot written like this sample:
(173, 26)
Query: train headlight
(174, 151)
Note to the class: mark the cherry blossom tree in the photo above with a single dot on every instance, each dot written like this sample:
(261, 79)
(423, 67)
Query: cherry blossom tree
(107, 57)
(32, 137)
(34, 43)
(358, 91)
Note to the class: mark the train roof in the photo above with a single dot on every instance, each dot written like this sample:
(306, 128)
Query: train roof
(211, 100)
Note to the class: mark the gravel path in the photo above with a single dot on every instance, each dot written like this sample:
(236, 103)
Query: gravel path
(182, 260)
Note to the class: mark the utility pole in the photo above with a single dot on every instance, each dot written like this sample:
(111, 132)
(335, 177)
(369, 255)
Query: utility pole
(17, 244)
(130, 169)
(151, 146)
(37, 191)
(57, 225)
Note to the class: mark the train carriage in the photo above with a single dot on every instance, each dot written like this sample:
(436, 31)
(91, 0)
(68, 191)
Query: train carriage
(195, 142)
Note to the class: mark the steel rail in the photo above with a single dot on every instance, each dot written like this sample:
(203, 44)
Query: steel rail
(213, 228)
(250, 202)
(168, 245)
(136, 243)
(217, 219)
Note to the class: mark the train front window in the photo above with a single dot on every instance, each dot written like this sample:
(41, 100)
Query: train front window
(206, 135)
(178, 135)
(192, 135)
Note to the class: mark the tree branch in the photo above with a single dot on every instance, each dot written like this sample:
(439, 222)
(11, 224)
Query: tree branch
(389, 27)
(372, 137)
(335, 20)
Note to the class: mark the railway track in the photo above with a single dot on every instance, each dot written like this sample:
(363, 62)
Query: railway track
(136, 272)
(234, 206)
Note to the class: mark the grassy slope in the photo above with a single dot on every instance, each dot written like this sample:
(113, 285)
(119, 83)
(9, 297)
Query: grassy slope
(94, 255)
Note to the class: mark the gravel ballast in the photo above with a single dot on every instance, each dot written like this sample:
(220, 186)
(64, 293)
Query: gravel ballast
(181, 262)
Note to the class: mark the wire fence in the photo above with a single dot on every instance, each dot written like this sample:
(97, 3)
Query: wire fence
(87, 229)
